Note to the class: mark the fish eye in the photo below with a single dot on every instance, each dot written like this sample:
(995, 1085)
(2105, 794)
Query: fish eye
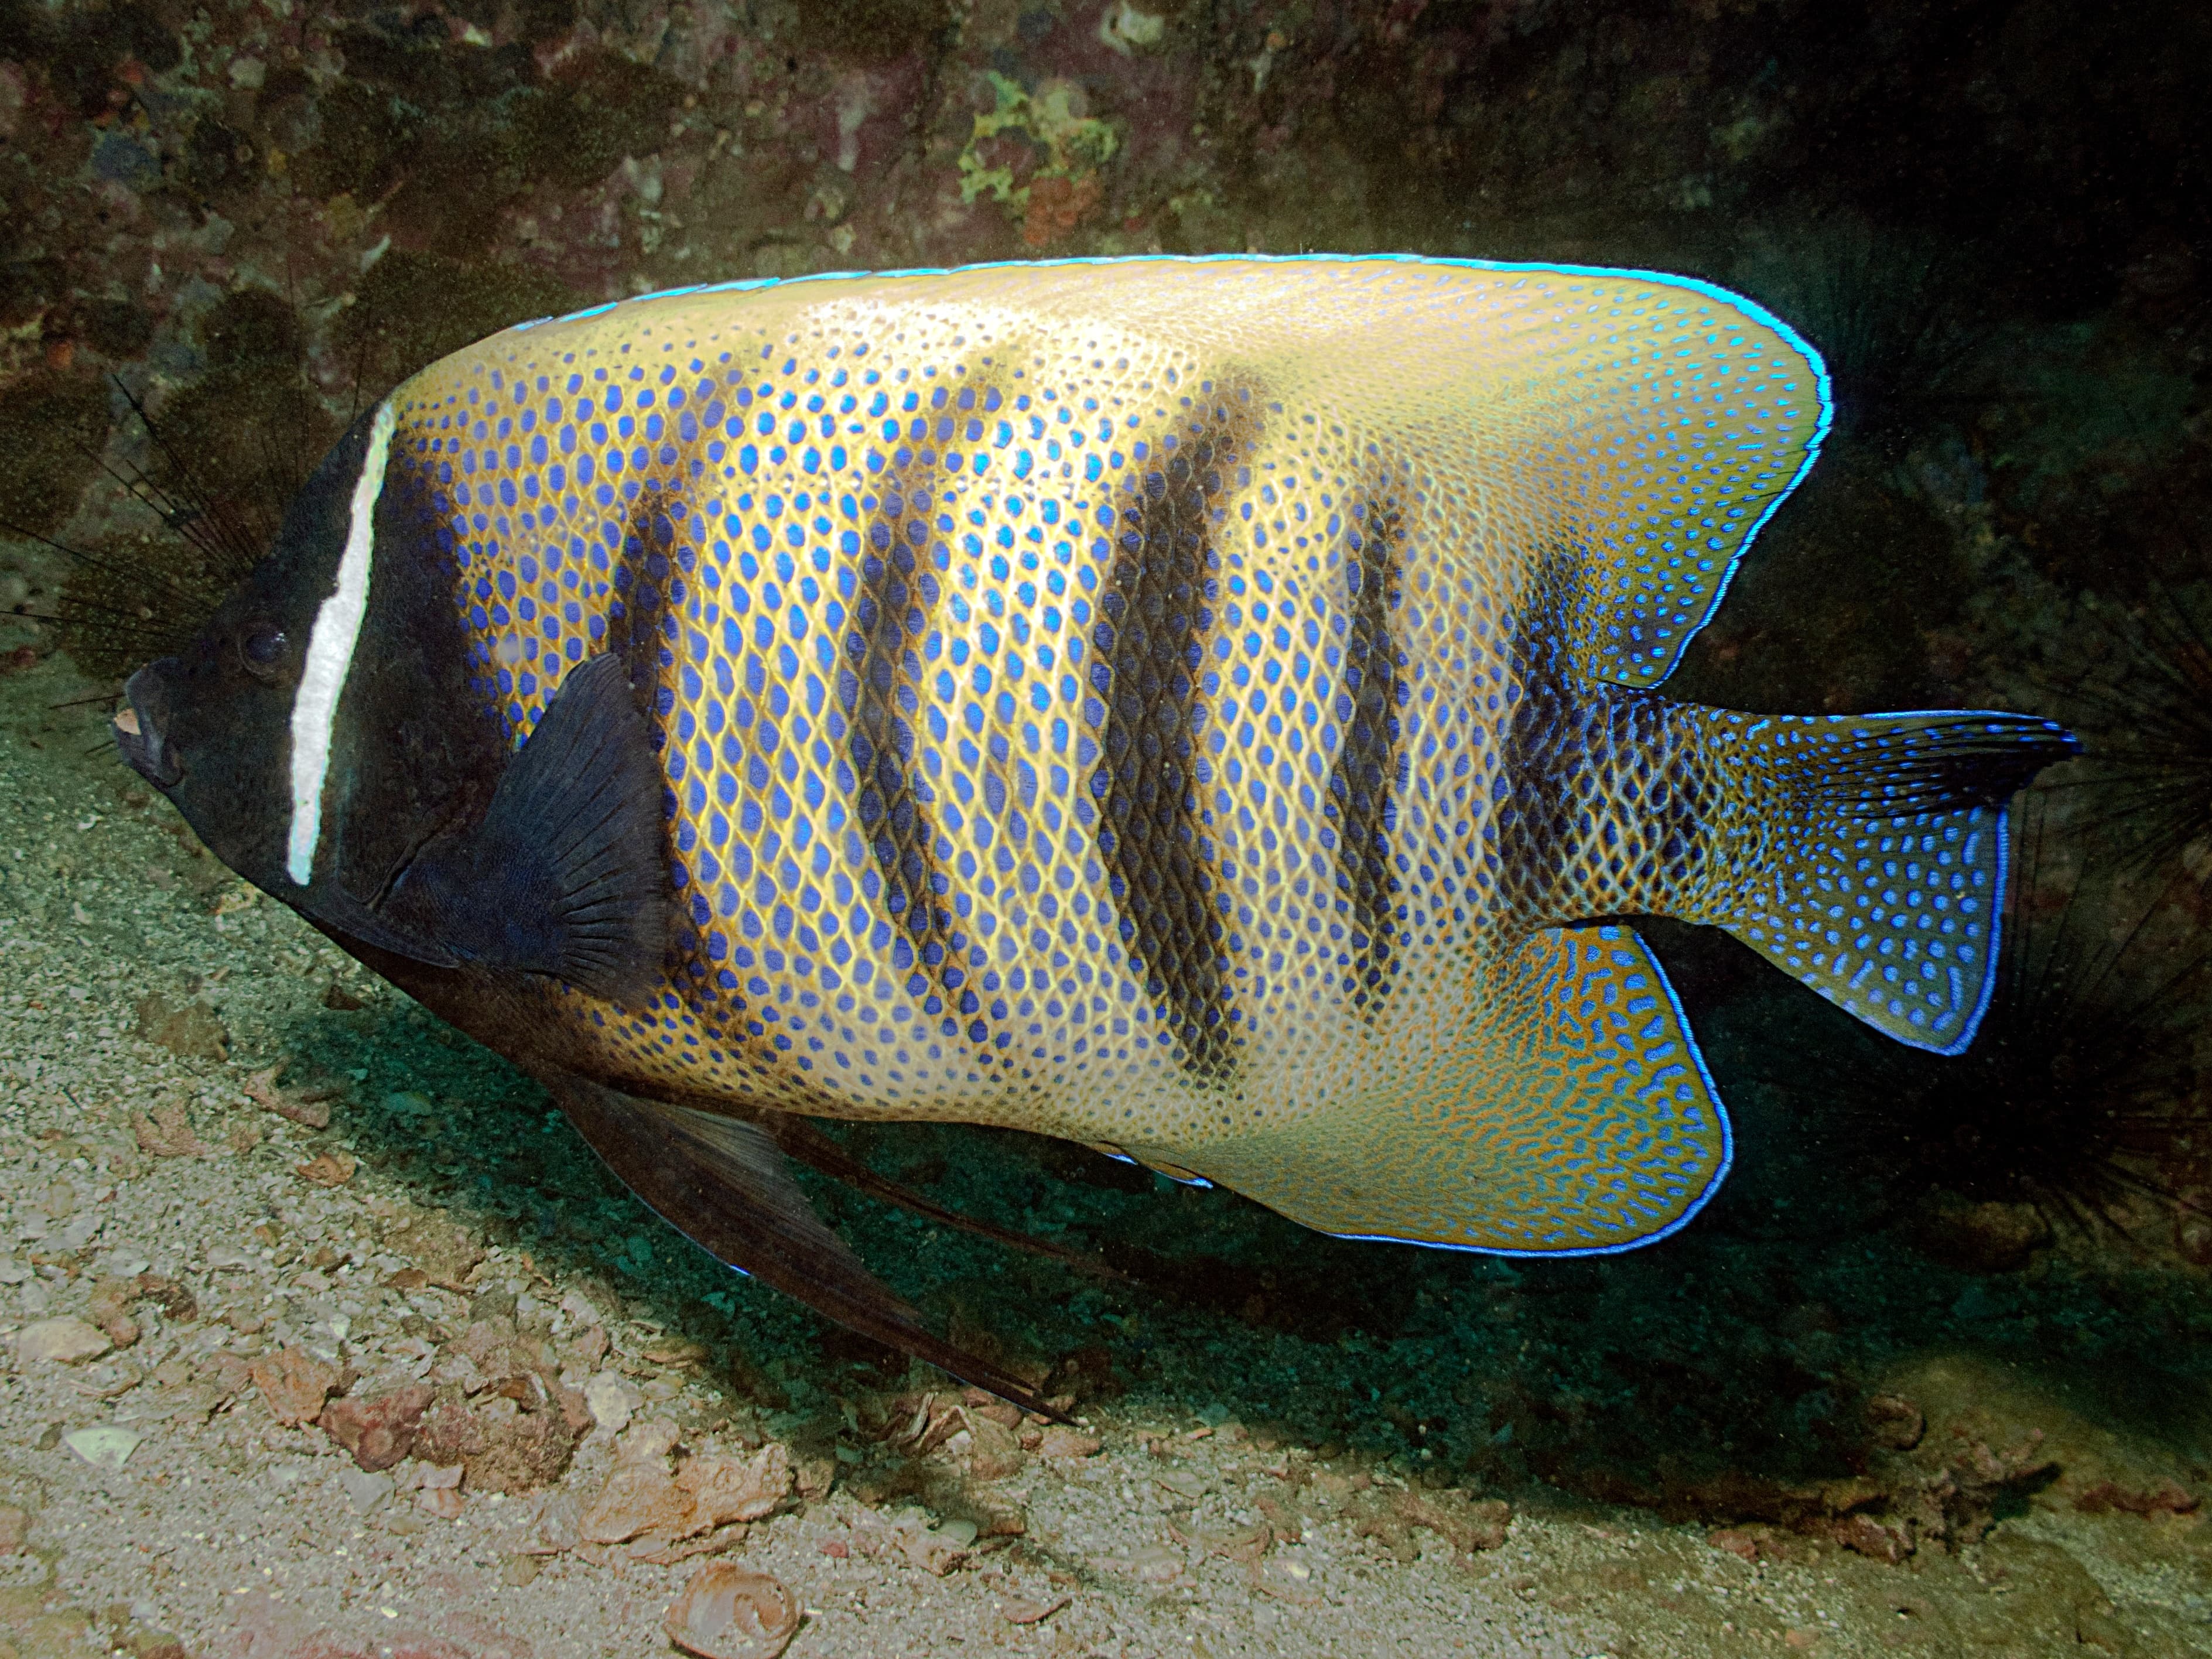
(261, 649)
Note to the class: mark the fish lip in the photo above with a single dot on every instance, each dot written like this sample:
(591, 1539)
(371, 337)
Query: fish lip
(138, 732)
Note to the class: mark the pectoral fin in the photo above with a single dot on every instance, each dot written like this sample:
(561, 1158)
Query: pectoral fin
(724, 1184)
(335, 907)
(566, 875)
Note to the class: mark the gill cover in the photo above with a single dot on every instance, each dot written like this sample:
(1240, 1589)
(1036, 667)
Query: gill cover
(325, 737)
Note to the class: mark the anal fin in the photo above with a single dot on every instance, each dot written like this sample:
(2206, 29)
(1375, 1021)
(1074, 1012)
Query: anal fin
(723, 1183)
(1572, 1117)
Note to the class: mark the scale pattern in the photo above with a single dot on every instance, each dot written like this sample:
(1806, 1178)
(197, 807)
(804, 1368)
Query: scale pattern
(1092, 698)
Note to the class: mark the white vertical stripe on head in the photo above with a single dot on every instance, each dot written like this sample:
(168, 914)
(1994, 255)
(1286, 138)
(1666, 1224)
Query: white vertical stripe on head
(329, 655)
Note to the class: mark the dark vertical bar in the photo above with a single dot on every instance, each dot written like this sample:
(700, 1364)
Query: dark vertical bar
(1153, 619)
(1366, 769)
(644, 612)
(880, 690)
(1547, 766)
(648, 597)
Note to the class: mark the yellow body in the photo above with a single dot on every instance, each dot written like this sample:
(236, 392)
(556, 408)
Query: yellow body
(1547, 467)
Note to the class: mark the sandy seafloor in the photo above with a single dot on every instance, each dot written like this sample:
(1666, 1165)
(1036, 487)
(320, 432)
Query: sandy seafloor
(1893, 1392)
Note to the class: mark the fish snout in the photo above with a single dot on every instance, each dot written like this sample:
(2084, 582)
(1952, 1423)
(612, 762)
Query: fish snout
(142, 724)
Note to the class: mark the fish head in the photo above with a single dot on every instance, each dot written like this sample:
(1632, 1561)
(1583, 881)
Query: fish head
(211, 727)
(320, 729)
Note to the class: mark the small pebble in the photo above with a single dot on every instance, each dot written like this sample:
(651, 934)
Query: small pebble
(444, 1503)
(366, 1491)
(66, 1340)
(104, 1447)
(730, 1612)
(1156, 1564)
(610, 1400)
(1060, 1440)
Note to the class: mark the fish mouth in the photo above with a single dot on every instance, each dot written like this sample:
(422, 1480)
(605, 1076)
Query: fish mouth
(140, 727)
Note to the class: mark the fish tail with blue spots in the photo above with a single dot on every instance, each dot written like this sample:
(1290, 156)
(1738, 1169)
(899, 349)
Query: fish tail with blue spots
(1875, 871)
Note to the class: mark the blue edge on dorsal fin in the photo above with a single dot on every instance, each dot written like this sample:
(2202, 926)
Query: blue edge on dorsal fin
(1775, 932)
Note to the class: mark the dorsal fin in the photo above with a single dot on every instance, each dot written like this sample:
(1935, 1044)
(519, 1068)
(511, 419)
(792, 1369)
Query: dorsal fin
(1650, 426)
(1637, 427)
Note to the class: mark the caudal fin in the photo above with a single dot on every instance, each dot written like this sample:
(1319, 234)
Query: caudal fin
(1885, 891)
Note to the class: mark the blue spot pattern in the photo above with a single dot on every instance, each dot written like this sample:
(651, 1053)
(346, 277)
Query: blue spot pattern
(869, 537)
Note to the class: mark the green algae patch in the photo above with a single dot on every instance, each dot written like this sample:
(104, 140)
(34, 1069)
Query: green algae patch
(1038, 153)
